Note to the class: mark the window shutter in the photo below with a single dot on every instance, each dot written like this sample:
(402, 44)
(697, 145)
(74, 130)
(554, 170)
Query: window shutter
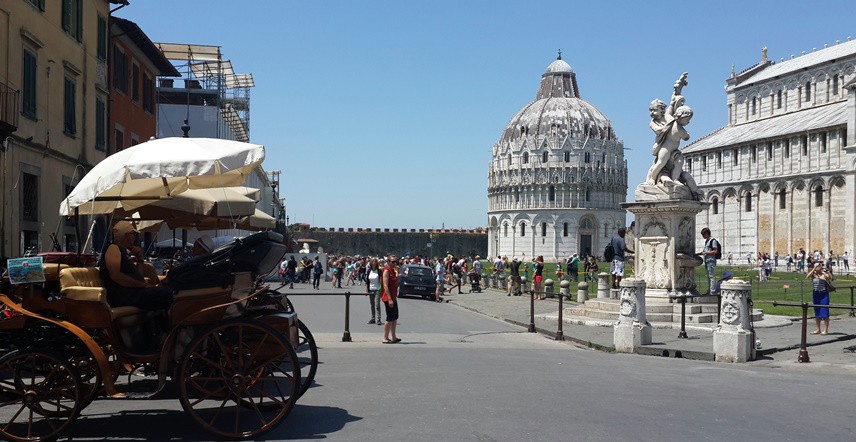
(66, 15)
(79, 30)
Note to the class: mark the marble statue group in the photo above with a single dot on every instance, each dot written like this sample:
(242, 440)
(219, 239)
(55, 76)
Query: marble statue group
(668, 124)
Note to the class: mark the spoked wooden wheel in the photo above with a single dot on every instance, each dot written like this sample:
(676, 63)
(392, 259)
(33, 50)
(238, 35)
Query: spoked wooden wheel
(239, 379)
(40, 395)
(307, 356)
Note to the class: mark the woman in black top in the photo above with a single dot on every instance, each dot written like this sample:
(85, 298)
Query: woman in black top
(126, 285)
(539, 277)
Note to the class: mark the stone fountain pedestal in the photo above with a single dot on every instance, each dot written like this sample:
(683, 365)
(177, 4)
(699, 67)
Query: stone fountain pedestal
(664, 242)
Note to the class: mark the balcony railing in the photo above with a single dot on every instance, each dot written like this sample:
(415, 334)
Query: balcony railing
(9, 108)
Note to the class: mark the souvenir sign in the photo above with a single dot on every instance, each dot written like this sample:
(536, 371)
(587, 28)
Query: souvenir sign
(26, 270)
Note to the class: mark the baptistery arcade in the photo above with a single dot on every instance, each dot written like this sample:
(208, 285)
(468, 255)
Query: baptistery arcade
(557, 176)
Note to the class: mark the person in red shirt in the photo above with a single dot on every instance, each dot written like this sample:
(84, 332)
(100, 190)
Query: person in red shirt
(390, 300)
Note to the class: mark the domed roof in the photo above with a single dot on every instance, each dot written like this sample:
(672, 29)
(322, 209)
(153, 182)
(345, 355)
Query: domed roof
(559, 66)
(558, 111)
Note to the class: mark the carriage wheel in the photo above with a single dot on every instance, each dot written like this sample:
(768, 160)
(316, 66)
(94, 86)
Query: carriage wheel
(40, 395)
(239, 379)
(307, 356)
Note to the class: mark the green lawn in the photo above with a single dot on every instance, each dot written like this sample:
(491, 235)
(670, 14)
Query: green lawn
(763, 293)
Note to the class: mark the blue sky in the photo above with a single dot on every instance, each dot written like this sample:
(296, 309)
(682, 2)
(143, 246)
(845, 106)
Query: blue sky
(383, 113)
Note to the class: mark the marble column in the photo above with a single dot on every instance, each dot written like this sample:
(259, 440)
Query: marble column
(809, 193)
(790, 220)
(734, 338)
(632, 329)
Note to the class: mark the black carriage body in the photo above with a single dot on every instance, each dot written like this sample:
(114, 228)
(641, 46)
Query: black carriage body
(258, 253)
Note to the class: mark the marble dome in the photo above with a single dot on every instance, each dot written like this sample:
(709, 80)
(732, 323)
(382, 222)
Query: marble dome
(558, 110)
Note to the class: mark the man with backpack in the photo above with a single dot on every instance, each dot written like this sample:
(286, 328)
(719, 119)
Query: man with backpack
(712, 251)
(615, 255)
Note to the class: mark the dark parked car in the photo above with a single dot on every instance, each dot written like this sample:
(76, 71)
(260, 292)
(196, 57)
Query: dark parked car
(416, 280)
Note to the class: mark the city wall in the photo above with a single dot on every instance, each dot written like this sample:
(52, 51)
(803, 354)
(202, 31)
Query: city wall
(364, 241)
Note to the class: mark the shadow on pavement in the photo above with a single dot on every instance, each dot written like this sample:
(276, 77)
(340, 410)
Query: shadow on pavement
(311, 422)
(138, 425)
(304, 422)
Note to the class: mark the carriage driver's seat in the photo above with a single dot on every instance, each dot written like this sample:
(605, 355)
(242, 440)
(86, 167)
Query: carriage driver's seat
(85, 300)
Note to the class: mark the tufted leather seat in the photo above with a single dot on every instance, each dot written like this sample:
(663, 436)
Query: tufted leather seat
(86, 301)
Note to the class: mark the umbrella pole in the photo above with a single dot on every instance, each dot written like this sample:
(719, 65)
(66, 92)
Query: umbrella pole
(77, 231)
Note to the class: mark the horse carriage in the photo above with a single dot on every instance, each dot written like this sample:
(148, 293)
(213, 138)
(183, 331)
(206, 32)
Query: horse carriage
(234, 350)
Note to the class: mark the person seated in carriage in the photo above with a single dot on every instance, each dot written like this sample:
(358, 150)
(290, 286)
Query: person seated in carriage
(128, 279)
(203, 245)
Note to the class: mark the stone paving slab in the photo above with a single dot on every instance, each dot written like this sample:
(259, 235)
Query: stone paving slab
(780, 338)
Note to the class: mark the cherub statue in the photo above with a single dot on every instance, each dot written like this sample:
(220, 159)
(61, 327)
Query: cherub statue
(668, 126)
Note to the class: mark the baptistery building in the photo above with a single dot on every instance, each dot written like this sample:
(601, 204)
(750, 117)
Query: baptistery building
(557, 175)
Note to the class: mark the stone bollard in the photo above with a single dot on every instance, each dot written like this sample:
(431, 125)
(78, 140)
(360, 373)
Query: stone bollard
(632, 329)
(582, 292)
(487, 279)
(523, 285)
(501, 282)
(565, 289)
(602, 285)
(548, 288)
(734, 339)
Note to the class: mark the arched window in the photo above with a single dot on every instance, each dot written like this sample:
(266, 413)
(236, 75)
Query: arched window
(552, 193)
(714, 205)
(588, 195)
(748, 198)
(505, 230)
(565, 229)
(522, 229)
(588, 158)
(782, 202)
(525, 157)
(567, 157)
(807, 91)
(543, 229)
(509, 159)
(818, 196)
(544, 157)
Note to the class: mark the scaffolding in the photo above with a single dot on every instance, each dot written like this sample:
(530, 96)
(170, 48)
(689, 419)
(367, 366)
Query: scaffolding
(206, 75)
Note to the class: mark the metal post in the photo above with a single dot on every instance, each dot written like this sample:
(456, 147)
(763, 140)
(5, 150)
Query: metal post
(560, 335)
(683, 333)
(532, 311)
(801, 291)
(852, 312)
(803, 356)
(346, 337)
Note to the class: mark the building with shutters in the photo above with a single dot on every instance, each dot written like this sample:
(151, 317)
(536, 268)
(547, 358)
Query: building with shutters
(53, 95)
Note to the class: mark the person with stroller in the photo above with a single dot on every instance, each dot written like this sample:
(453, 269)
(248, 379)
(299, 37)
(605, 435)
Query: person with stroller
(591, 269)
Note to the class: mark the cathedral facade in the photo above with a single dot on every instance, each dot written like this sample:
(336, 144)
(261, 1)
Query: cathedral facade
(781, 175)
(556, 176)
